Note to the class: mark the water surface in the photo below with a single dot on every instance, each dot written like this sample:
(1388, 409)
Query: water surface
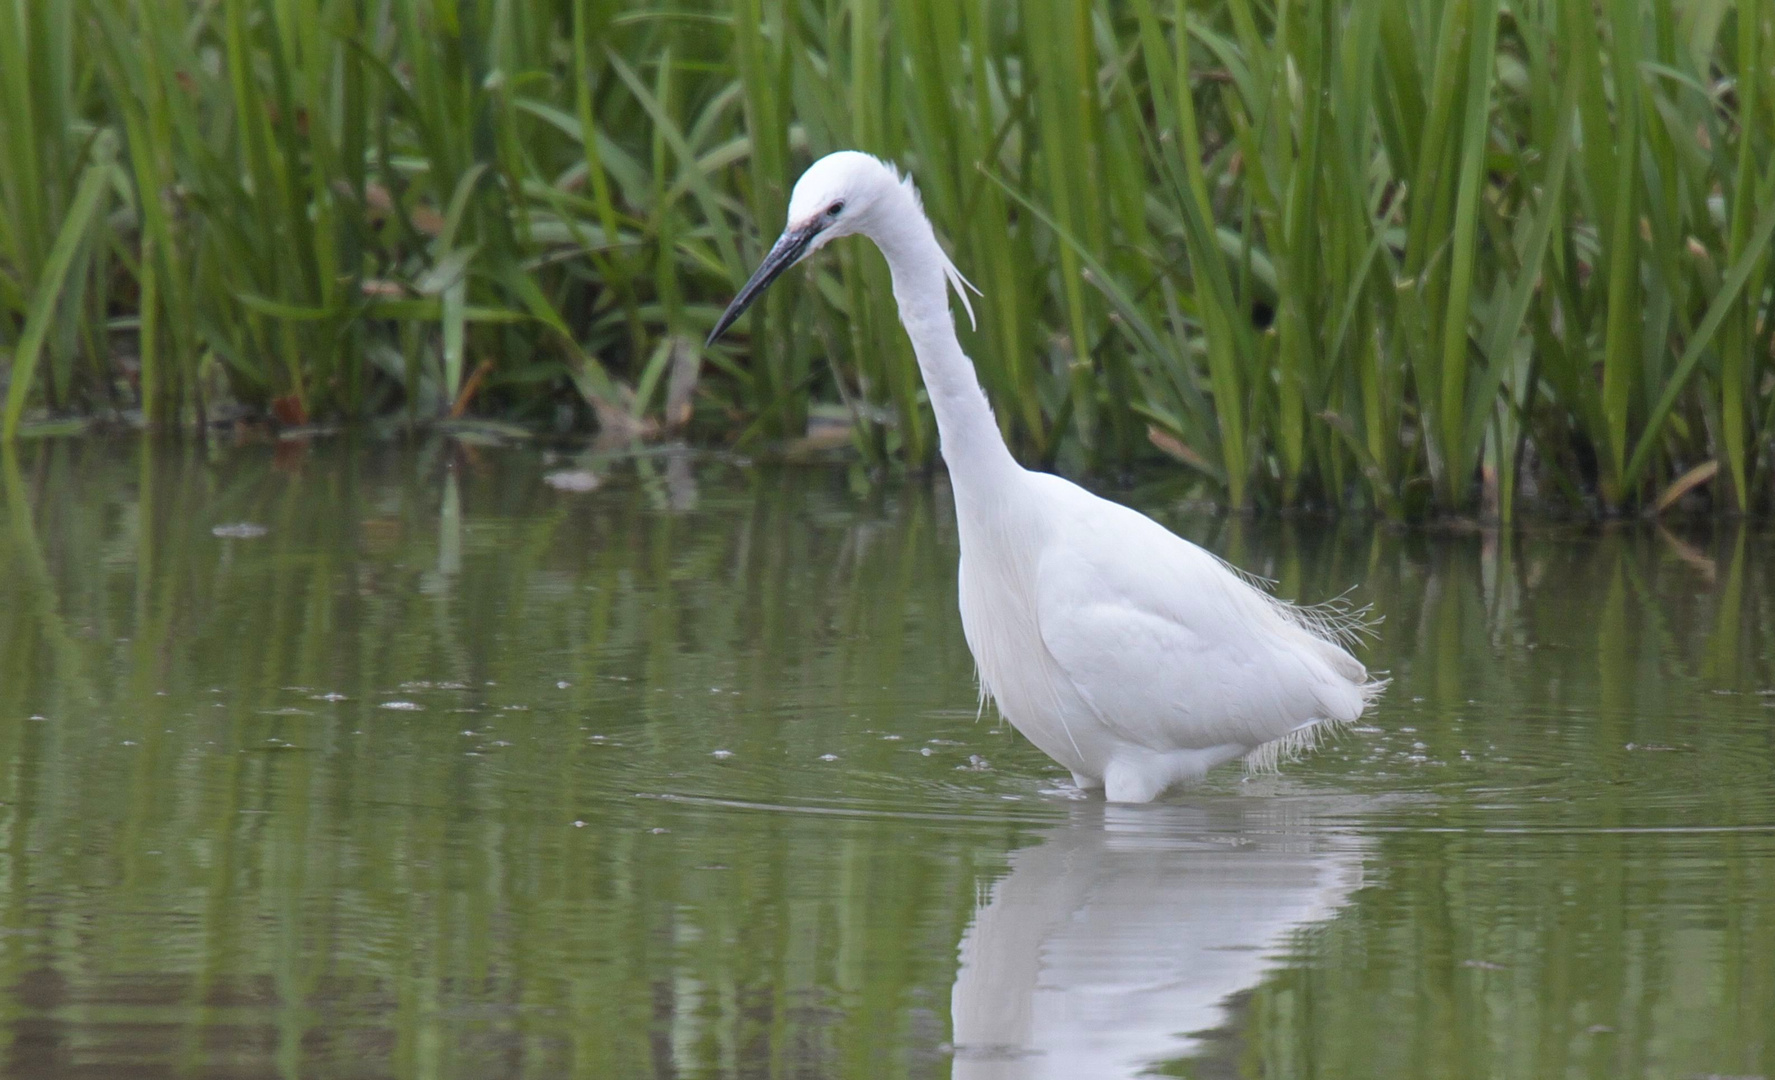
(453, 760)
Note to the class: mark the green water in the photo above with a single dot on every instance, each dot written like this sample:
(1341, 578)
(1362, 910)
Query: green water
(454, 773)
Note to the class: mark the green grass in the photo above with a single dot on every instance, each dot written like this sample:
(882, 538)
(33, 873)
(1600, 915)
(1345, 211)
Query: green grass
(1406, 257)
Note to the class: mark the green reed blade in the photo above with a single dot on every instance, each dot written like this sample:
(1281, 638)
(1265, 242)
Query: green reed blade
(87, 206)
(1455, 359)
(1506, 323)
(1747, 264)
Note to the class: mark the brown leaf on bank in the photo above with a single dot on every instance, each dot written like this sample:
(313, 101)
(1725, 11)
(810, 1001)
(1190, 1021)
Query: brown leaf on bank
(1175, 447)
(379, 206)
(289, 410)
(1491, 497)
(377, 198)
(469, 389)
(427, 220)
(1684, 484)
(823, 437)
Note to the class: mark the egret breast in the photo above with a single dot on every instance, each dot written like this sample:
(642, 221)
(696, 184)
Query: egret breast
(1016, 670)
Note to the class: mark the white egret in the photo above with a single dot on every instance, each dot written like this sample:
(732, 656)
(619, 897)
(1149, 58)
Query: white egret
(1129, 655)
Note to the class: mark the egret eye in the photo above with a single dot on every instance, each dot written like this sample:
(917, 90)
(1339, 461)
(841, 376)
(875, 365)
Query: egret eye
(835, 209)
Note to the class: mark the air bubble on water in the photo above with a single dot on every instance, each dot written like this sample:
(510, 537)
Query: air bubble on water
(562, 685)
(925, 751)
(721, 755)
(240, 530)
(828, 757)
(579, 824)
(574, 481)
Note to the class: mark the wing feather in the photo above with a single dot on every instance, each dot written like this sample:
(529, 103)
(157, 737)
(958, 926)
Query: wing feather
(1172, 650)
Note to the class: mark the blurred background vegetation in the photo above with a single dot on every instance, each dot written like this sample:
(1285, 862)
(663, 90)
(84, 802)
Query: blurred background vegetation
(1412, 257)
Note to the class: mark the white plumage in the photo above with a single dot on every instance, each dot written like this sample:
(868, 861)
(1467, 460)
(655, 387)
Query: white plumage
(1129, 655)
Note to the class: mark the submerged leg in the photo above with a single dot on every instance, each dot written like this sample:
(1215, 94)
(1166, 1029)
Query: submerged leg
(1144, 776)
(1136, 780)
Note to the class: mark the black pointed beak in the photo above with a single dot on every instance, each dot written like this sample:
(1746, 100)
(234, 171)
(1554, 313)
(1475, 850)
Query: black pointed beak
(786, 252)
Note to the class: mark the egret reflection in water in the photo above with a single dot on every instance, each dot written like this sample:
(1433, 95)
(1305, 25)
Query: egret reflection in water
(1123, 932)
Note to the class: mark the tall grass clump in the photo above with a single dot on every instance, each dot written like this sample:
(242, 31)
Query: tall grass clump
(1419, 257)
(1483, 249)
(335, 207)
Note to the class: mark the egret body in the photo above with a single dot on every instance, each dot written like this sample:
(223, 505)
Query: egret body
(1129, 655)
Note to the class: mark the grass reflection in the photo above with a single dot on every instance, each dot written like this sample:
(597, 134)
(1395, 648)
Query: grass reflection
(225, 854)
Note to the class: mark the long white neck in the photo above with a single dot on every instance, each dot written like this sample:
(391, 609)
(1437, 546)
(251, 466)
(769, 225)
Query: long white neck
(971, 444)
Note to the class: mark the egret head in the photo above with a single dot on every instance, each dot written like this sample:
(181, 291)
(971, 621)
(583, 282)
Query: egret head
(838, 195)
